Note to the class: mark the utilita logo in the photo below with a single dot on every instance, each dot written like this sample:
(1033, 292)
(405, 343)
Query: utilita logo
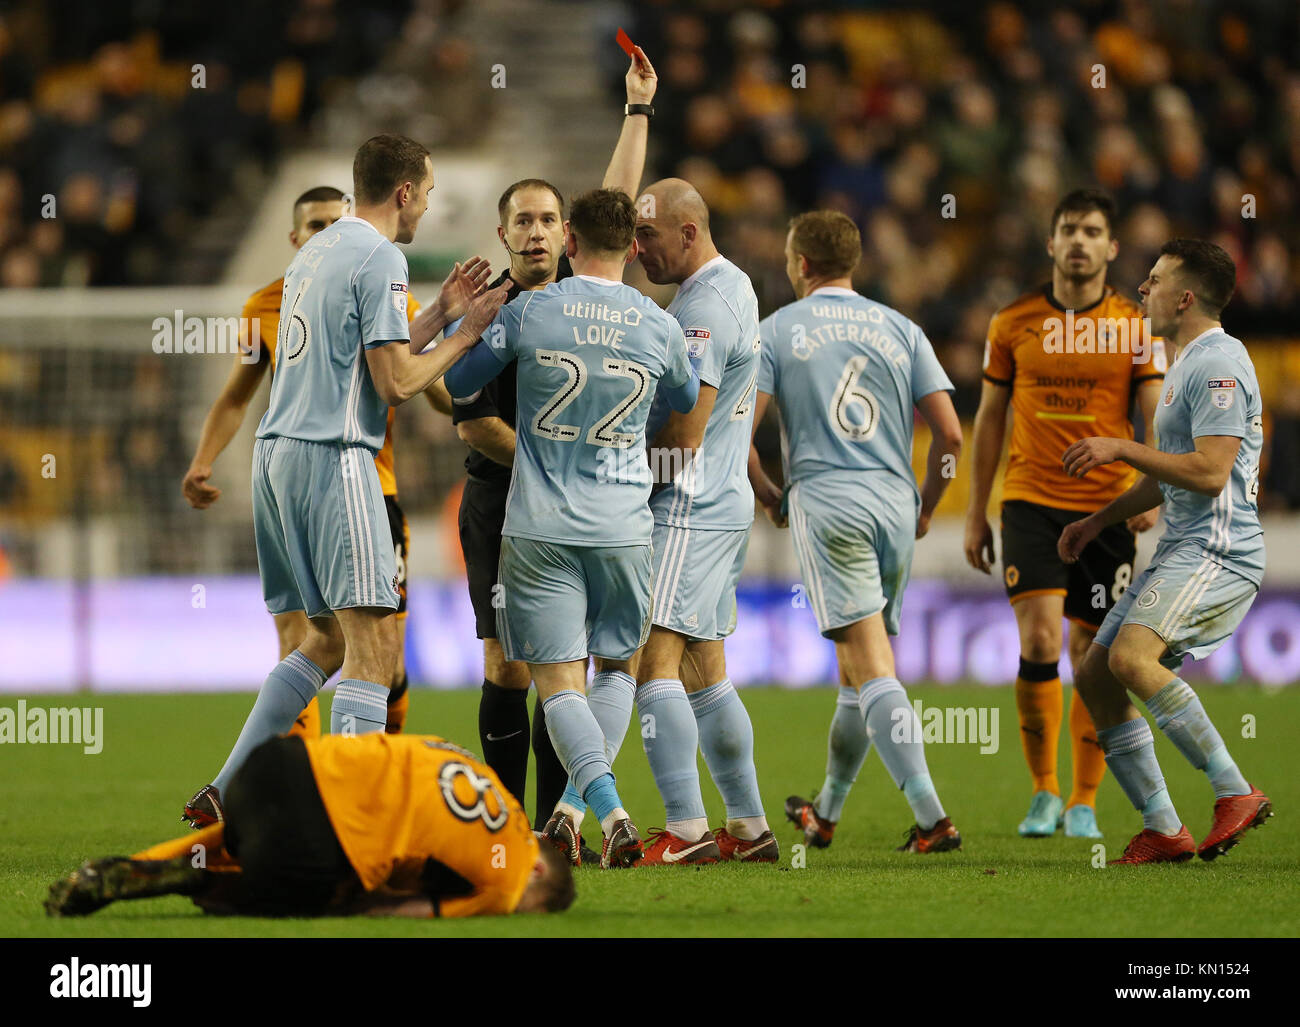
(102, 980)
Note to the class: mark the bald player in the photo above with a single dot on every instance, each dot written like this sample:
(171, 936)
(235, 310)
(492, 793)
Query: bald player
(703, 510)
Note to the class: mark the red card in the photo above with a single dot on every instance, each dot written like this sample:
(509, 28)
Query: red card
(625, 41)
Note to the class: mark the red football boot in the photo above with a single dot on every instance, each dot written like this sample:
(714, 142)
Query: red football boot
(1149, 846)
(666, 849)
(762, 849)
(1234, 815)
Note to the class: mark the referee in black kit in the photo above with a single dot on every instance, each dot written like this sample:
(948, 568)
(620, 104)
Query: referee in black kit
(532, 230)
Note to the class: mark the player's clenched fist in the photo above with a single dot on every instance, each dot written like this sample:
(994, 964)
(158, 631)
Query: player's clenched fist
(1086, 454)
(196, 489)
(1075, 538)
(978, 544)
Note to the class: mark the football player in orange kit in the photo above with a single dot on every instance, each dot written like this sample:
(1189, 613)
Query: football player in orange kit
(1069, 359)
(399, 825)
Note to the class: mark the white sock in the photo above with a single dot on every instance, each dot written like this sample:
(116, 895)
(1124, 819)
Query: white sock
(607, 825)
(747, 828)
(688, 830)
(575, 815)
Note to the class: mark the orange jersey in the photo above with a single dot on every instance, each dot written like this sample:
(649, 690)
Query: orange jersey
(397, 801)
(1072, 376)
(265, 306)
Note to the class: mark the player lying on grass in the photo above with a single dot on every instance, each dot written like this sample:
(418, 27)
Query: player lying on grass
(400, 825)
(1206, 569)
(846, 373)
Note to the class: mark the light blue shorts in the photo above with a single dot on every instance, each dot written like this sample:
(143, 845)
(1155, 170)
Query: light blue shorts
(557, 603)
(694, 583)
(321, 527)
(854, 547)
(1187, 598)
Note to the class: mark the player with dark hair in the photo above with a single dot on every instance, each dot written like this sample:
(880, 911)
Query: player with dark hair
(1069, 359)
(531, 229)
(847, 374)
(399, 825)
(575, 554)
(703, 513)
(319, 518)
(1206, 569)
(313, 211)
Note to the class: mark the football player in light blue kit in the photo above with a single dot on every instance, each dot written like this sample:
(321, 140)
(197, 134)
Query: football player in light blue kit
(703, 512)
(321, 528)
(575, 553)
(1206, 569)
(846, 373)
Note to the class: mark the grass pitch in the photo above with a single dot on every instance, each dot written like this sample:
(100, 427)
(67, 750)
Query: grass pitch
(59, 806)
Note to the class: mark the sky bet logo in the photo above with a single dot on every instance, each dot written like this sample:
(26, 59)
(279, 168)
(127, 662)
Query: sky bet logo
(102, 980)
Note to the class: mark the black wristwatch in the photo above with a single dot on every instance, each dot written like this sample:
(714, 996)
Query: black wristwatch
(638, 108)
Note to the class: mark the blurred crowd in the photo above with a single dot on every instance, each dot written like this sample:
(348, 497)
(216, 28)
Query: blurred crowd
(124, 126)
(1188, 111)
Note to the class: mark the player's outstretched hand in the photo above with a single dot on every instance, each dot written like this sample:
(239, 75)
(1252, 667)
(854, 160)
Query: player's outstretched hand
(978, 544)
(465, 281)
(483, 309)
(1075, 538)
(196, 489)
(1144, 521)
(1084, 455)
(641, 78)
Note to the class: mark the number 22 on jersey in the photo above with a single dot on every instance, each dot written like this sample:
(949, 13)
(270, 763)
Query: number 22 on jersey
(604, 432)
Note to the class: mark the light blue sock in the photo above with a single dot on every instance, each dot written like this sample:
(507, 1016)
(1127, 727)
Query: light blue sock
(358, 707)
(727, 741)
(610, 701)
(670, 738)
(892, 725)
(602, 797)
(1179, 714)
(577, 740)
(1130, 750)
(284, 694)
(846, 749)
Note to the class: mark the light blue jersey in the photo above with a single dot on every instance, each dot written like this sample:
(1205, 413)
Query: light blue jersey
(590, 354)
(718, 312)
(345, 292)
(846, 372)
(1211, 389)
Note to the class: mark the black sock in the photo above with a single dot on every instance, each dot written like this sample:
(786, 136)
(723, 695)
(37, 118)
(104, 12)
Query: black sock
(503, 730)
(396, 693)
(551, 775)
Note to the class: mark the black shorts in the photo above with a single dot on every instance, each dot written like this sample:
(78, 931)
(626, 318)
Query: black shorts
(482, 516)
(401, 533)
(1031, 565)
(278, 830)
